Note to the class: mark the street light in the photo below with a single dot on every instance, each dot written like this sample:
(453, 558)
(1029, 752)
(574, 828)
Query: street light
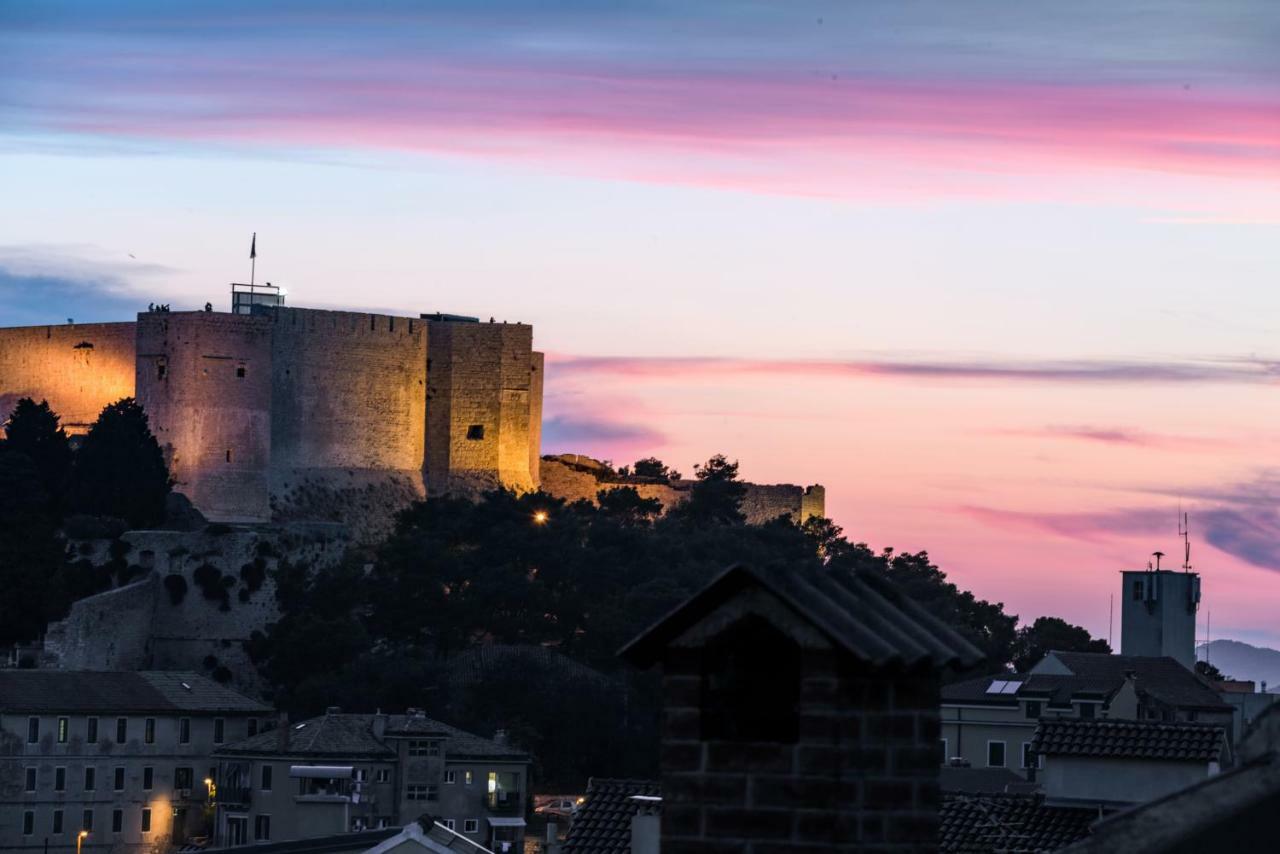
(80, 837)
(540, 518)
(213, 789)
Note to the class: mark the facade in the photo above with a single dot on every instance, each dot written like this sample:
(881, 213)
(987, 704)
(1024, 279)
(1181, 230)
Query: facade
(124, 756)
(800, 713)
(277, 411)
(990, 722)
(351, 772)
(1158, 617)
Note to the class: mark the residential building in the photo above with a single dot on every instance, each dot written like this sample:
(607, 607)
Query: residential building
(989, 722)
(352, 772)
(800, 713)
(1114, 763)
(1158, 614)
(426, 835)
(124, 756)
(617, 817)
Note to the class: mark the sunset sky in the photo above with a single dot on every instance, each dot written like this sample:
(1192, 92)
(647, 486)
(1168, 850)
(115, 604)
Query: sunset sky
(1004, 277)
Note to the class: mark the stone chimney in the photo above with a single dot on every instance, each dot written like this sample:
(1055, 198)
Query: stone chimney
(282, 732)
(500, 736)
(380, 724)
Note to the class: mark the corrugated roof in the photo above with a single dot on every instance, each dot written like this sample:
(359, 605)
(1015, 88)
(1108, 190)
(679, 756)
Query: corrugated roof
(602, 824)
(105, 692)
(861, 612)
(1180, 742)
(352, 735)
(1009, 823)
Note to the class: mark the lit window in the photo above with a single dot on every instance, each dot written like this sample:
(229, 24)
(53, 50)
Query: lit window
(62, 730)
(466, 778)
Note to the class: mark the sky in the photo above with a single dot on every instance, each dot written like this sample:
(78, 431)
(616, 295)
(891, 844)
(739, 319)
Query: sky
(1005, 278)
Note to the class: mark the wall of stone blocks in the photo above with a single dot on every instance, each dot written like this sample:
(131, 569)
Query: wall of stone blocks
(79, 368)
(479, 383)
(205, 381)
(862, 776)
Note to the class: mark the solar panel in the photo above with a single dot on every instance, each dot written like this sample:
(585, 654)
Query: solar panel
(997, 686)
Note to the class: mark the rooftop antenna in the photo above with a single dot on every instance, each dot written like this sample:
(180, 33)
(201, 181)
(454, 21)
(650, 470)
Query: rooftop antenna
(1184, 531)
(1111, 618)
(1157, 556)
(253, 259)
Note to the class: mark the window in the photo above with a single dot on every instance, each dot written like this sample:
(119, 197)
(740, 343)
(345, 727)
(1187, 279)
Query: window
(1087, 711)
(451, 776)
(945, 757)
(149, 731)
(118, 779)
(471, 825)
(117, 821)
(59, 779)
(86, 821)
(1137, 590)
(262, 827)
(228, 455)
(750, 684)
(466, 777)
(253, 727)
(63, 726)
(1027, 757)
(266, 778)
(146, 819)
(31, 779)
(448, 822)
(424, 748)
(995, 754)
(240, 374)
(502, 789)
(1033, 708)
(382, 775)
(90, 778)
(57, 821)
(362, 775)
(160, 369)
(91, 731)
(33, 730)
(475, 432)
(184, 730)
(148, 777)
(184, 778)
(383, 821)
(422, 793)
(28, 822)
(219, 725)
(122, 730)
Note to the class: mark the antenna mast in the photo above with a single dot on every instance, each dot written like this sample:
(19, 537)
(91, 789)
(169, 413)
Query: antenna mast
(1184, 531)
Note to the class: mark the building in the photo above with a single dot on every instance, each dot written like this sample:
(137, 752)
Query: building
(1113, 763)
(351, 772)
(272, 411)
(1010, 823)
(617, 817)
(990, 722)
(426, 835)
(124, 756)
(1158, 615)
(800, 713)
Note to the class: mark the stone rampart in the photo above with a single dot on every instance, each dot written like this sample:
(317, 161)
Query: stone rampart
(79, 368)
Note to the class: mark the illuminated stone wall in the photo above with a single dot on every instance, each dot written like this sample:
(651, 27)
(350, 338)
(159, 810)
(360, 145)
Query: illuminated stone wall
(79, 368)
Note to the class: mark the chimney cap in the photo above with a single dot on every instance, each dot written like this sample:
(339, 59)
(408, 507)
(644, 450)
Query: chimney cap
(333, 710)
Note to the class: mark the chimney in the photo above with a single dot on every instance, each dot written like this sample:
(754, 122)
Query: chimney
(500, 736)
(380, 724)
(282, 732)
(333, 710)
(645, 832)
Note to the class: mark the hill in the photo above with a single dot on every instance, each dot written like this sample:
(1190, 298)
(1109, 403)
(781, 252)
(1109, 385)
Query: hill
(1242, 661)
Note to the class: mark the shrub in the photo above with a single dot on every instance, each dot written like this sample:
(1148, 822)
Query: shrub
(209, 579)
(221, 674)
(253, 574)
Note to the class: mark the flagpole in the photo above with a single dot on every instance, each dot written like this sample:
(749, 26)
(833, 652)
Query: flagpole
(253, 262)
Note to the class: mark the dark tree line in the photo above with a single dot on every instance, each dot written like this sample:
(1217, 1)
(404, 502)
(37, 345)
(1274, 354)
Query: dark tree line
(117, 472)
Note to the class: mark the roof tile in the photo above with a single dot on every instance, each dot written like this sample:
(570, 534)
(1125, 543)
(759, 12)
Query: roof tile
(1115, 739)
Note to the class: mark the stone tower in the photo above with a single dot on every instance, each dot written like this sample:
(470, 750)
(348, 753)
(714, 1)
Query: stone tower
(1159, 614)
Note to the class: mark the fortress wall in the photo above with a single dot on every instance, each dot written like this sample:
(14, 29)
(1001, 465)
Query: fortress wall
(349, 391)
(79, 368)
(205, 380)
(576, 478)
(479, 381)
(537, 377)
(106, 631)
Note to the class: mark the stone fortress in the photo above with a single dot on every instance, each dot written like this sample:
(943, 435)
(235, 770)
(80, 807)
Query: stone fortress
(305, 430)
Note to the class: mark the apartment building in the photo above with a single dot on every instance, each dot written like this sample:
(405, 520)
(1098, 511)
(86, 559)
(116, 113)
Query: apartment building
(351, 772)
(123, 757)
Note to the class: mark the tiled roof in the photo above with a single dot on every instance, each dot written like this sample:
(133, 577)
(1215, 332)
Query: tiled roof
(1114, 739)
(602, 825)
(860, 612)
(1009, 823)
(104, 692)
(1095, 675)
(339, 734)
(976, 781)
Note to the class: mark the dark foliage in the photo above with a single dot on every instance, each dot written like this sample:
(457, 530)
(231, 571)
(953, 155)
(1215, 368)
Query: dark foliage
(1211, 672)
(33, 430)
(120, 470)
(176, 586)
(655, 468)
(32, 572)
(1050, 633)
(209, 579)
(254, 573)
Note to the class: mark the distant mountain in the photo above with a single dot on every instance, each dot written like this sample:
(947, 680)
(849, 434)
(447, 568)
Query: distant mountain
(1242, 661)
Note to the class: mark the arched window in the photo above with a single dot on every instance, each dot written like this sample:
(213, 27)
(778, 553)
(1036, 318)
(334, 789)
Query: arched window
(751, 684)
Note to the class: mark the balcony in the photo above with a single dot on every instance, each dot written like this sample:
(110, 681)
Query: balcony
(229, 795)
(505, 803)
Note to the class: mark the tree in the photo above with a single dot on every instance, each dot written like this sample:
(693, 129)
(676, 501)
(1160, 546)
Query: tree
(625, 504)
(33, 430)
(716, 497)
(1211, 672)
(1047, 634)
(655, 468)
(120, 471)
(31, 553)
